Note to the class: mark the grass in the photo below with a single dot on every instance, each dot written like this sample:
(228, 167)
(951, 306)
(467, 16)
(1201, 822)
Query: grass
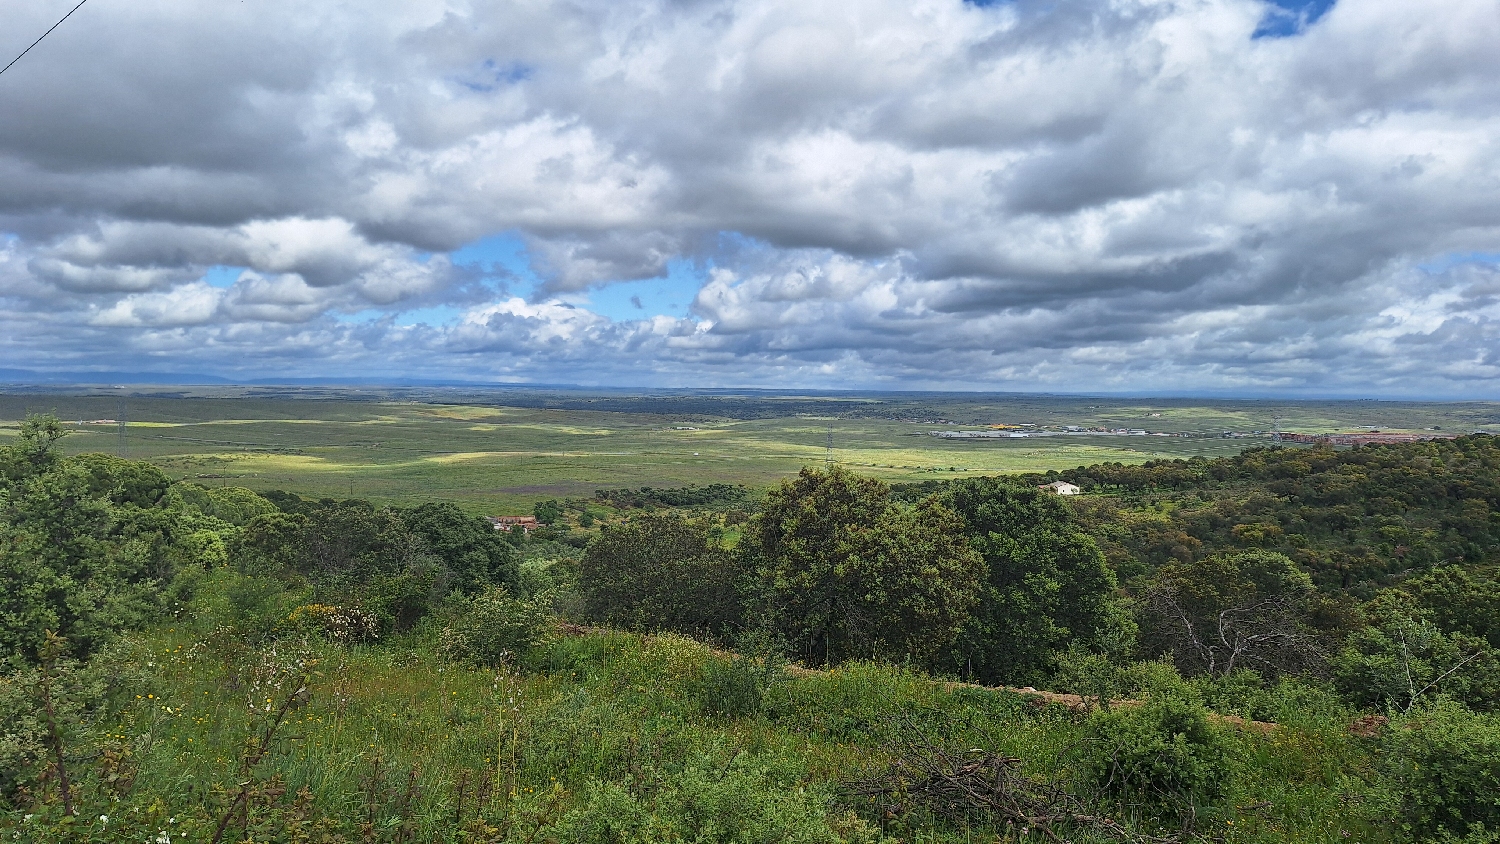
(492, 459)
(395, 737)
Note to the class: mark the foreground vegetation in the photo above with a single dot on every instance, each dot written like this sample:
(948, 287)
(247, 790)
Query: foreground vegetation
(195, 664)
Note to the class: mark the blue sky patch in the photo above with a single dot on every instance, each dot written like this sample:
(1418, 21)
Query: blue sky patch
(670, 296)
(1285, 18)
(1444, 263)
(504, 259)
(222, 276)
(435, 316)
(493, 75)
(367, 315)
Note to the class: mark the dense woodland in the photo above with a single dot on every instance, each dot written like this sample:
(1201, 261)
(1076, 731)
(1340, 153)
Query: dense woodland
(1290, 644)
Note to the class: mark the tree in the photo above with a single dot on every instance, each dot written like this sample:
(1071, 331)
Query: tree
(271, 544)
(470, 546)
(83, 550)
(660, 571)
(1460, 600)
(1228, 611)
(1403, 658)
(846, 573)
(547, 512)
(234, 505)
(34, 451)
(1047, 585)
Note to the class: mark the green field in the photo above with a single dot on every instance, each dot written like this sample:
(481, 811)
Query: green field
(501, 451)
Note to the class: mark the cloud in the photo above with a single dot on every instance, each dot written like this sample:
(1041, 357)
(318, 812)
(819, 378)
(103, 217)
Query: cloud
(1122, 195)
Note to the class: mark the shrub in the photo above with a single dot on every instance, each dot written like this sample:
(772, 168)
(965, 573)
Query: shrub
(251, 609)
(738, 802)
(859, 702)
(734, 687)
(493, 628)
(345, 625)
(1444, 768)
(84, 551)
(1165, 755)
(1290, 701)
(1401, 660)
(1089, 674)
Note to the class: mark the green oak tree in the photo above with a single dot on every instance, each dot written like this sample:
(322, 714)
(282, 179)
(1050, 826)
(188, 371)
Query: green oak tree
(85, 550)
(476, 554)
(1047, 585)
(659, 571)
(846, 573)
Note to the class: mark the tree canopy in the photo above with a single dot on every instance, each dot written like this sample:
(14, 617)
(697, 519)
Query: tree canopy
(663, 572)
(1046, 587)
(846, 572)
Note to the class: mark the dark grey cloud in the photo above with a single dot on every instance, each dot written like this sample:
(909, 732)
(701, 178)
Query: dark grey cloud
(1089, 195)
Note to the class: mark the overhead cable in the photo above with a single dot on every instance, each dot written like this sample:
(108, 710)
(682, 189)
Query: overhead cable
(45, 34)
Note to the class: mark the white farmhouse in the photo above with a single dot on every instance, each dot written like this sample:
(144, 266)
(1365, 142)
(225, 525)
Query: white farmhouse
(1061, 488)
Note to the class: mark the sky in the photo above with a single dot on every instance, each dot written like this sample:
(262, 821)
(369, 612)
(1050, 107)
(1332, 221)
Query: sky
(1163, 196)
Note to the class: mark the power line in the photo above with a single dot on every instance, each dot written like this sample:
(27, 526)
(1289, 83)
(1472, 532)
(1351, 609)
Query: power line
(45, 34)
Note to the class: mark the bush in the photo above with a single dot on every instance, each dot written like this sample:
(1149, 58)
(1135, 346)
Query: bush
(1164, 755)
(736, 687)
(84, 550)
(738, 802)
(1401, 660)
(345, 625)
(1290, 701)
(1444, 769)
(251, 609)
(493, 628)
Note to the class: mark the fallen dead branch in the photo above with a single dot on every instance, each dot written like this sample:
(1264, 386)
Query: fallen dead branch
(978, 785)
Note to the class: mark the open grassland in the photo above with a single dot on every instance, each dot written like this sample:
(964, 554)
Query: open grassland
(493, 457)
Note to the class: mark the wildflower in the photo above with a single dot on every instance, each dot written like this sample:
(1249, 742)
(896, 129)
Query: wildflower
(104, 819)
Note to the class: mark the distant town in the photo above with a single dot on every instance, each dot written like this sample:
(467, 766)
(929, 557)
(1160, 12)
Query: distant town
(1364, 437)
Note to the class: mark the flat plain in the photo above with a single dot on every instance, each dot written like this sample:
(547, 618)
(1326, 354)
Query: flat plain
(495, 451)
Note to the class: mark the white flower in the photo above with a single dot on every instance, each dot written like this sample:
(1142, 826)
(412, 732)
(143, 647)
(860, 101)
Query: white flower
(104, 819)
(163, 838)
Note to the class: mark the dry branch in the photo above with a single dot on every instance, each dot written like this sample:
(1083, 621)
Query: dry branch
(976, 785)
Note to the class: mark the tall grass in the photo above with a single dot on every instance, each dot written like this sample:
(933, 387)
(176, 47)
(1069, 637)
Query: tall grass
(397, 744)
